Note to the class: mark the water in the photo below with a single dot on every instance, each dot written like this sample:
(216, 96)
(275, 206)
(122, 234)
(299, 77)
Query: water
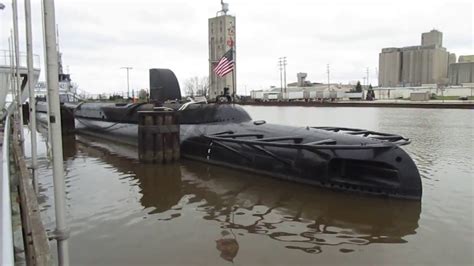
(124, 213)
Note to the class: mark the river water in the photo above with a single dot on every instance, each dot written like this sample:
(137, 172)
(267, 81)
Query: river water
(121, 212)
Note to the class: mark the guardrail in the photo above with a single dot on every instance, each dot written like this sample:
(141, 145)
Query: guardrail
(6, 249)
(5, 59)
(37, 248)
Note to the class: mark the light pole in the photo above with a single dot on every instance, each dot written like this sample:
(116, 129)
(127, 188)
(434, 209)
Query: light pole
(51, 58)
(128, 80)
(16, 42)
(31, 90)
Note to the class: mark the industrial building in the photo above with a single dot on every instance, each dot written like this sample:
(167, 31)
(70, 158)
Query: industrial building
(305, 90)
(416, 65)
(462, 72)
(222, 37)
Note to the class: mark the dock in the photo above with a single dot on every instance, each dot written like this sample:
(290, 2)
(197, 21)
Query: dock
(28, 242)
(380, 103)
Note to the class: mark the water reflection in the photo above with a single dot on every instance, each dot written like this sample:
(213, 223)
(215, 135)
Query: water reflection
(227, 245)
(299, 217)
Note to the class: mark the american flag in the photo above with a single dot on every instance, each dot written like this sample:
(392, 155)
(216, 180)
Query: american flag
(226, 64)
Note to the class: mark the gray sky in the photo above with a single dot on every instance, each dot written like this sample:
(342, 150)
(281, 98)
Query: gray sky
(98, 37)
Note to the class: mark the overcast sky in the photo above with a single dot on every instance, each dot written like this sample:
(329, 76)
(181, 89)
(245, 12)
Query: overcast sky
(97, 37)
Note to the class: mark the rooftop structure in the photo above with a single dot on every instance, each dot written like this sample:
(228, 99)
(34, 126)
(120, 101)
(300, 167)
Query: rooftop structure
(433, 37)
(466, 58)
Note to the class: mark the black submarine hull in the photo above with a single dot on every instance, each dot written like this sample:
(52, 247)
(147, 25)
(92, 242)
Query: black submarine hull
(224, 134)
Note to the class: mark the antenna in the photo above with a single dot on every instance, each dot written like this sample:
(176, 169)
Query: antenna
(57, 36)
(60, 56)
(225, 7)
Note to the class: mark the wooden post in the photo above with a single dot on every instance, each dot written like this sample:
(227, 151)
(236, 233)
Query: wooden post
(158, 137)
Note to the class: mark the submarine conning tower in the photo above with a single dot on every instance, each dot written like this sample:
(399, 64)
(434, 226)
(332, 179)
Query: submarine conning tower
(164, 85)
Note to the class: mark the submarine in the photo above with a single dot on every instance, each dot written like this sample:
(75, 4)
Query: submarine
(224, 134)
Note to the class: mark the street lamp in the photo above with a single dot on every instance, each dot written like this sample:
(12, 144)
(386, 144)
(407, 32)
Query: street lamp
(128, 80)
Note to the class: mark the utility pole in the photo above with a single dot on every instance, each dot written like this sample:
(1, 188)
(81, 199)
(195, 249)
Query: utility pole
(61, 233)
(17, 71)
(377, 74)
(280, 65)
(43, 27)
(284, 72)
(31, 88)
(128, 80)
(328, 72)
(368, 80)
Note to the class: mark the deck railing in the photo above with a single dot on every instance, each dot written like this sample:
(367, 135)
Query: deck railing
(6, 248)
(5, 57)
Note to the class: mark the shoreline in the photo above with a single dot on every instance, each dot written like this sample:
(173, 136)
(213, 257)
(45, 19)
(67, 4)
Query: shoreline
(388, 104)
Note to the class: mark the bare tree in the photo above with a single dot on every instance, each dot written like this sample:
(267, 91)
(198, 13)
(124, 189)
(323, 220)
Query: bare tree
(143, 94)
(203, 86)
(196, 86)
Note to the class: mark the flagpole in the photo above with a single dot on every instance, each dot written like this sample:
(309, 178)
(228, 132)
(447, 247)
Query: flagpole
(234, 83)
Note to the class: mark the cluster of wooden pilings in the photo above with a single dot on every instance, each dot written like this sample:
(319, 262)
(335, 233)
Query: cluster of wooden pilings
(158, 137)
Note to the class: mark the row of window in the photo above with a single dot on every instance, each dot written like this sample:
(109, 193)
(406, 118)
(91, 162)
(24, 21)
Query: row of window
(212, 30)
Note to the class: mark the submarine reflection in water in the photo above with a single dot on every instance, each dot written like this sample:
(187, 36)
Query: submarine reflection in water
(302, 218)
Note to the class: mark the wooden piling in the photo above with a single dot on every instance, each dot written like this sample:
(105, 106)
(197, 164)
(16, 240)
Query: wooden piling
(158, 137)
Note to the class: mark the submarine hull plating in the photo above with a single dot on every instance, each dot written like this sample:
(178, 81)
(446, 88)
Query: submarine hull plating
(381, 170)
